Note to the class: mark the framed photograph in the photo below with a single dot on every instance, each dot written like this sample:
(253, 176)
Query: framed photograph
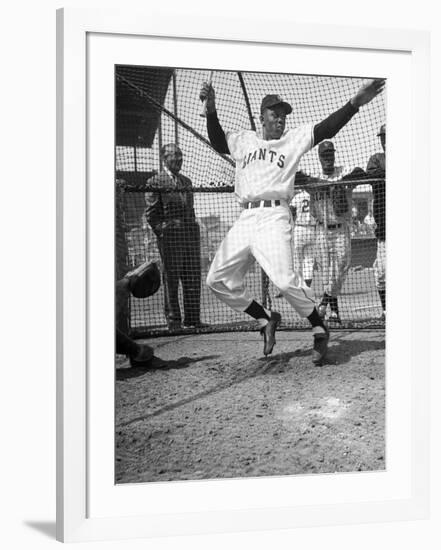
(195, 217)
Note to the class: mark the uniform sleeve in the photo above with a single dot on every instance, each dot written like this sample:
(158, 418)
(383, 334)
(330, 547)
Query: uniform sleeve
(328, 128)
(235, 142)
(302, 138)
(216, 134)
(352, 173)
(375, 167)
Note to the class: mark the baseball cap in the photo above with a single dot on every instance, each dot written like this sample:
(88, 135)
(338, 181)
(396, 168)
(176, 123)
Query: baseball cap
(273, 99)
(382, 130)
(325, 146)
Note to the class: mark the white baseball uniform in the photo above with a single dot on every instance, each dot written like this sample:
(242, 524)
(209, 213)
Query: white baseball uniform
(304, 235)
(264, 185)
(333, 231)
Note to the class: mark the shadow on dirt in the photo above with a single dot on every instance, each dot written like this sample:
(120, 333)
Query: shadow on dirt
(160, 364)
(341, 351)
(210, 391)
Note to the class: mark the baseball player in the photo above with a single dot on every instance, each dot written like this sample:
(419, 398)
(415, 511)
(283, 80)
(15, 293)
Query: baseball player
(376, 168)
(332, 207)
(304, 235)
(266, 166)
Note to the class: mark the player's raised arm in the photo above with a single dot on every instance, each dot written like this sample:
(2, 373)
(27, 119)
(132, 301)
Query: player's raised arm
(329, 127)
(216, 135)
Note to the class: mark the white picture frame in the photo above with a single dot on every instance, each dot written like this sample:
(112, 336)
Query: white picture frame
(76, 399)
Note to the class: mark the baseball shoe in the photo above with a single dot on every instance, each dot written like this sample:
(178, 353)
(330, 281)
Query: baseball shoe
(320, 348)
(144, 357)
(269, 332)
(322, 310)
(334, 318)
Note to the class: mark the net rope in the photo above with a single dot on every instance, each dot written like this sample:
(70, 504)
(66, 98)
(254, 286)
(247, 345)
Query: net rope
(156, 106)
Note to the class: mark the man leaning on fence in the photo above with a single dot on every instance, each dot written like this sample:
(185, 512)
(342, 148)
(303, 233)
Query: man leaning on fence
(170, 213)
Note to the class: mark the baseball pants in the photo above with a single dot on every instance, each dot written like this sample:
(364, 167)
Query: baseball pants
(334, 256)
(304, 250)
(380, 266)
(263, 234)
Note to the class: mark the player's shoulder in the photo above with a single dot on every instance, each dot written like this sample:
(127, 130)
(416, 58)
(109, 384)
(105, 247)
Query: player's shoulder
(378, 157)
(185, 181)
(300, 129)
(241, 134)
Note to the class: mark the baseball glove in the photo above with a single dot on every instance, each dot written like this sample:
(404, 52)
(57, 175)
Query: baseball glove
(145, 280)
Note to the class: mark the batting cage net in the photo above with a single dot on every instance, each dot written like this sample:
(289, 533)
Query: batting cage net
(179, 222)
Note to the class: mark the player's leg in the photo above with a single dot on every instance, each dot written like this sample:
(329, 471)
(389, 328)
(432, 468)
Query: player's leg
(323, 261)
(298, 248)
(226, 277)
(272, 250)
(191, 277)
(171, 255)
(309, 255)
(341, 261)
(271, 246)
(380, 272)
(140, 355)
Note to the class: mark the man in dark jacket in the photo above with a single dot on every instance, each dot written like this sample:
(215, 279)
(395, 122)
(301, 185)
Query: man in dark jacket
(171, 215)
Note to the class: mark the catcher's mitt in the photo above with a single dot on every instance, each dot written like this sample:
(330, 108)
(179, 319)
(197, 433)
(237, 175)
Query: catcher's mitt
(144, 280)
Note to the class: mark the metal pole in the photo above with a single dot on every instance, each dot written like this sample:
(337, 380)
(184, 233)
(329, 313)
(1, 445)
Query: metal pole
(247, 101)
(160, 141)
(175, 107)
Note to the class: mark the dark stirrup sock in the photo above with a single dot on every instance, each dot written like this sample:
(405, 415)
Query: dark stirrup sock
(333, 302)
(382, 294)
(325, 300)
(316, 320)
(256, 311)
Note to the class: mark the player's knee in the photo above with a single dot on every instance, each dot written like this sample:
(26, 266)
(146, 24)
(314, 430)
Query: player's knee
(212, 281)
(284, 284)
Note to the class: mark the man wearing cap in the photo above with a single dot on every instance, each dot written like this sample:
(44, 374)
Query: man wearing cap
(376, 168)
(331, 205)
(266, 166)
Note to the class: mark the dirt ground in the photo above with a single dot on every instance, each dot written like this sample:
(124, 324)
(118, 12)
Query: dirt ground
(213, 406)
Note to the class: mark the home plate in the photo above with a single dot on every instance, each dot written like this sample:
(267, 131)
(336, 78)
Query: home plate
(332, 408)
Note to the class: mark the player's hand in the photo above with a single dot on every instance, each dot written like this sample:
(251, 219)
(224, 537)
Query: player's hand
(367, 92)
(207, 93)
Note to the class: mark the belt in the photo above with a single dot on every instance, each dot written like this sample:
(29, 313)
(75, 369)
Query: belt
(257, 204)
(332, 225)
(305, 224)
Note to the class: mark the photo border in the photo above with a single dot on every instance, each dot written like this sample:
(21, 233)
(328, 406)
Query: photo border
(73, 25)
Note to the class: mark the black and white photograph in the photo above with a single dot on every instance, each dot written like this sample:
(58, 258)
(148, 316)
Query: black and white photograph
(250, 274)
